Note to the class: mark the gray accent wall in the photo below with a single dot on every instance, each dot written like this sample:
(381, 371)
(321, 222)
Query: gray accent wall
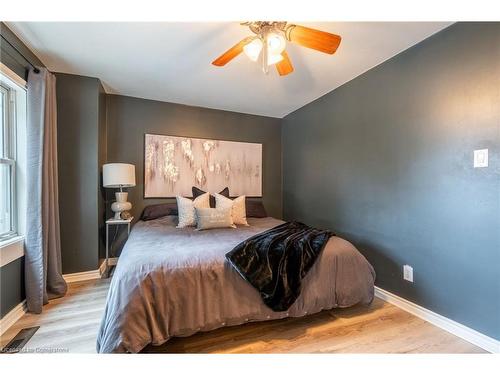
(130, 118)
(81, 123)
(386, 161)
(11, 285)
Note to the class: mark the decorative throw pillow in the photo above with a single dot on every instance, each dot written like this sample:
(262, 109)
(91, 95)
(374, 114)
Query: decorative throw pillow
(156, 211)
(255, 209)
(186, 208)
(236, 205)
(197, 192)
(210, 218)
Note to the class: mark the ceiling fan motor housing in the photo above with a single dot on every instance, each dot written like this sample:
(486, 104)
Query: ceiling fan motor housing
(262, 27)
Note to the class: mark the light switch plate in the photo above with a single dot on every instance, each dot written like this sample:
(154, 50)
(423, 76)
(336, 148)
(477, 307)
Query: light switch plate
(481, 158)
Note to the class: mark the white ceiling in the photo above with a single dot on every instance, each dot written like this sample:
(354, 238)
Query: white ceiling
(172, 61)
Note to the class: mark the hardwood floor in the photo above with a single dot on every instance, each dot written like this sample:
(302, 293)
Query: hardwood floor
(71, 323)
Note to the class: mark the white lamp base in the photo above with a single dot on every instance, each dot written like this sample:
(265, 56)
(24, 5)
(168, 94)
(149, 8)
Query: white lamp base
(120, 205)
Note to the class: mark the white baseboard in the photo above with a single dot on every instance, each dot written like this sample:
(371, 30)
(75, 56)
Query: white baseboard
(12, 316)
(485, 342)
(89, 275)
(82, 276)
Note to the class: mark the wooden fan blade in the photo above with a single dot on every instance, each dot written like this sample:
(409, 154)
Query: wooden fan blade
(311, 38)
(232, 52)
(284, 66)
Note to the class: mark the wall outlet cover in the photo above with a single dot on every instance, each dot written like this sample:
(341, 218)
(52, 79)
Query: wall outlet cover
(408, 273)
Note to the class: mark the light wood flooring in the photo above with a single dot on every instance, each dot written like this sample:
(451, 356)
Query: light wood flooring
(71, 323)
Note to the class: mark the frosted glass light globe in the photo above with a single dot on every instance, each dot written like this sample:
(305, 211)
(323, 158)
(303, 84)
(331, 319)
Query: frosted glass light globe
(252, 49)
(273, 59)
(275, 43)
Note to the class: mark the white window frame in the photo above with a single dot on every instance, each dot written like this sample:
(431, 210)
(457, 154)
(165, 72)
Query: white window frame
(12, 246)
(9, 152)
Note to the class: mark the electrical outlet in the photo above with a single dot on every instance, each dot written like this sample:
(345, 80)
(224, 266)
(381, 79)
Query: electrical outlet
(408, 273)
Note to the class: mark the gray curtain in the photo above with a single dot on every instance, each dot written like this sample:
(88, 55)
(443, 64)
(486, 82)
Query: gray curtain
(43, 270)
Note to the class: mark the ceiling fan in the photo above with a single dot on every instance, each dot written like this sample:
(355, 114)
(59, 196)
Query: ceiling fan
(274, 36)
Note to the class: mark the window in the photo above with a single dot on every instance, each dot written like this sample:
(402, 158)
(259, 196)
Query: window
(7, 166)
(12, 117)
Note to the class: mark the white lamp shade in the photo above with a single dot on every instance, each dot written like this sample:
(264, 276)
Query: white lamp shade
(115, 175)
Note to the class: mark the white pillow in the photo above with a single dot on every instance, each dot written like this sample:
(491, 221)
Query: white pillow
(209, 218)
(186, 209)
(237, 206)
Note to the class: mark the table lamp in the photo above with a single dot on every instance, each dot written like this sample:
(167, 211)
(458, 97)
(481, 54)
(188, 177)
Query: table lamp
(119, 175)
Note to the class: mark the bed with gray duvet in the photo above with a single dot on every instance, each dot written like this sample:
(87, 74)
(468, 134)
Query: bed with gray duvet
(173, 282)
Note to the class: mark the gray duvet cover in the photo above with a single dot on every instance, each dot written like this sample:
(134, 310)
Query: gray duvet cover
(176, 282)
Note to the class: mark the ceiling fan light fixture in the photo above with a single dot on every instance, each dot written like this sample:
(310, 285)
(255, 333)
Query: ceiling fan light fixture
(269, 40)
(253, 49)
(276, 43)
(274, 58)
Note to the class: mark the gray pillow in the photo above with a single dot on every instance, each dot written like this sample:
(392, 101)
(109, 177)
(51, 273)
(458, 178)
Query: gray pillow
(210, 218)
(255, 208)
(156, 211)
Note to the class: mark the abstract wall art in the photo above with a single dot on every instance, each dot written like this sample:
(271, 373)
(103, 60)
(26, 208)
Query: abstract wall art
(172, 165)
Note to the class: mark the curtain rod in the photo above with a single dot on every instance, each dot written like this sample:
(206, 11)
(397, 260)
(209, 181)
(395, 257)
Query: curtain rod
(35, 69)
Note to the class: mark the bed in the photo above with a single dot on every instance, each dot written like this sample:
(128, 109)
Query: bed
(176, 282)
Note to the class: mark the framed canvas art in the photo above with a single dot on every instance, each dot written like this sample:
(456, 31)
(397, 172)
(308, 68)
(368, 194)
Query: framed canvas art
(172, 165)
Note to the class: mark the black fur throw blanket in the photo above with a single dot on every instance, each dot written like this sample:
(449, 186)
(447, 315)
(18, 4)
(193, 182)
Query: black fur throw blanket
(276, 261)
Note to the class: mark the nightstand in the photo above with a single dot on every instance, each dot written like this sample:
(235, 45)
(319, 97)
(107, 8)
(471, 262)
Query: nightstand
(108, 224)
